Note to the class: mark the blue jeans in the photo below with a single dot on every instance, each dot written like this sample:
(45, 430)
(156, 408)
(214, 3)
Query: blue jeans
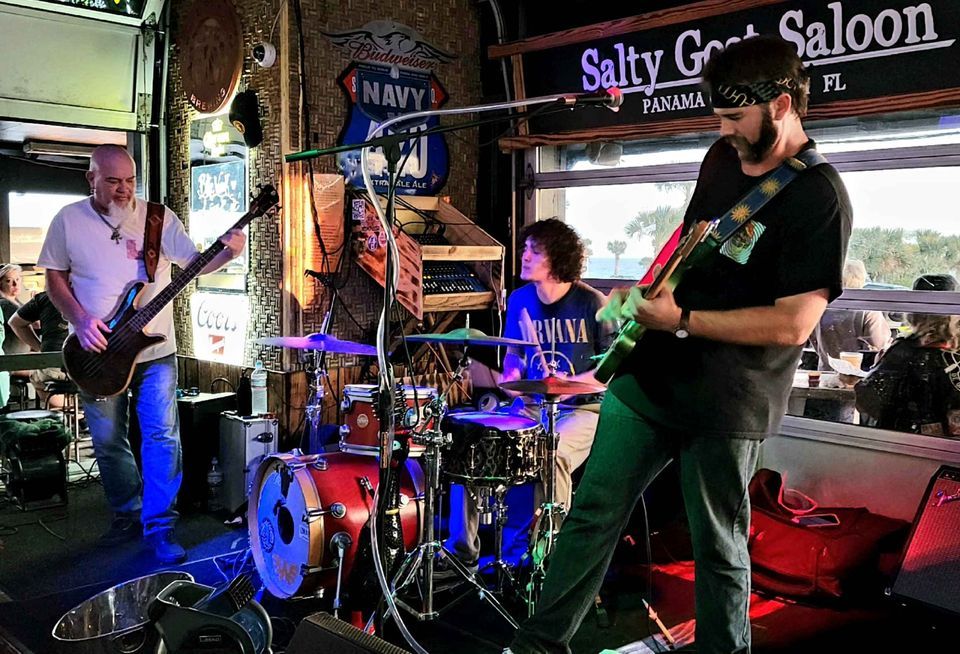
(628, 453)
(153, 391)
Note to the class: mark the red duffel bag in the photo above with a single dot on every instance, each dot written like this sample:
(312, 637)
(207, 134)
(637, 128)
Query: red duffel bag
(797, 552)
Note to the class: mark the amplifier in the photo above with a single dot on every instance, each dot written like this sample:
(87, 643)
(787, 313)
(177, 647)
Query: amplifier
(199, 421)
(930, 571)
(244, 442)
(321, 633)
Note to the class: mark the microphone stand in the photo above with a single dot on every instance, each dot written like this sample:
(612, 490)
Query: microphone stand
(391, 146)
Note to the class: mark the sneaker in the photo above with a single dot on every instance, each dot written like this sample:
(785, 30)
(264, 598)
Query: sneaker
(121, 530)
(445, 576)
(166, 547)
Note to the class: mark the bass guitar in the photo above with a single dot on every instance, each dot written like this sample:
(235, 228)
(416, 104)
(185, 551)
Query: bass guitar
(670, 273)
(108, 373)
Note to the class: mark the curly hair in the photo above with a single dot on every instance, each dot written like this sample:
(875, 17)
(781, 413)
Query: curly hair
(561, 244)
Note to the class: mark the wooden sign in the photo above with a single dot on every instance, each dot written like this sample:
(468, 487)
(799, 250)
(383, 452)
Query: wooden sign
(211, 53)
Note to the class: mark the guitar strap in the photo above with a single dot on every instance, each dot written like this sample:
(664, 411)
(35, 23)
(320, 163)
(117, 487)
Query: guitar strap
(152, 231)
(755, 199)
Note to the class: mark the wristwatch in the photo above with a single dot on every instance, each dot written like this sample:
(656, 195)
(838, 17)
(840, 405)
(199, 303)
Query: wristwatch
(683, 327)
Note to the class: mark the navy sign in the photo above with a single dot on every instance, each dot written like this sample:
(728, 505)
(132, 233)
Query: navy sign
(376, 93)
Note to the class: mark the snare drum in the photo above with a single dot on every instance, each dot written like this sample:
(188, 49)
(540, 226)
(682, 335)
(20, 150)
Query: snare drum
(493, 448)
(360, 433)
(298, 505)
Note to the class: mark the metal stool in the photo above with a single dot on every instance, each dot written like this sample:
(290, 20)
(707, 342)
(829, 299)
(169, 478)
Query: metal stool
(70, 410)
(21, 386)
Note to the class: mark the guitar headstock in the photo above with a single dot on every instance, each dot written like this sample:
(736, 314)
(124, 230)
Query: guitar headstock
(265, 200)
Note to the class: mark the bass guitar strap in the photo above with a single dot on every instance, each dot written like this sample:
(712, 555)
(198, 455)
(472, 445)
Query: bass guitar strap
(152, 232)
(740, 213)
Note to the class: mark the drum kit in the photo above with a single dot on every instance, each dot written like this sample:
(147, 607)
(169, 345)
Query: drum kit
(307, 513)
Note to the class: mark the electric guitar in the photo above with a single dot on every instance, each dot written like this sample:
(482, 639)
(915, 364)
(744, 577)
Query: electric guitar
(108, 373)
(670, 273)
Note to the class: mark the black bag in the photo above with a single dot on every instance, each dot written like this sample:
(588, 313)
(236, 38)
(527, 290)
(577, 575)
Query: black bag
(828, 562)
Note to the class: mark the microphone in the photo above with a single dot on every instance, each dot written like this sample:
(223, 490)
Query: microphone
(610, 98)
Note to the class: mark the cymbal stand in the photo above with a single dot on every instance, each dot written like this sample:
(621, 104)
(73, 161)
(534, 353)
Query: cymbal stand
(423, 557)
(314, 406)
(551, 511)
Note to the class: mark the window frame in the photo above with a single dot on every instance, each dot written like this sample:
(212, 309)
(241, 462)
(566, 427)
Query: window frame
(824, 431)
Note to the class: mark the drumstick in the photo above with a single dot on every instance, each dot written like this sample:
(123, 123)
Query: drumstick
(531, 335)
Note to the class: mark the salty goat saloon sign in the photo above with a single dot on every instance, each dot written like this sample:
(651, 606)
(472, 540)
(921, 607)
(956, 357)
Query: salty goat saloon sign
(854, 50)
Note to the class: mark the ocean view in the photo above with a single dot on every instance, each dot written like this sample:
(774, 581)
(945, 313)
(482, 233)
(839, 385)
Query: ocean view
(602, 268)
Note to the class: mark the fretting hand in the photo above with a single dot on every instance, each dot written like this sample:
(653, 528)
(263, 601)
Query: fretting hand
(234, 240)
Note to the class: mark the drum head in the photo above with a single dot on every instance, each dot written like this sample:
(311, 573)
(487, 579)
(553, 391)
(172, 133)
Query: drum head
(283, 540)
(502, 422)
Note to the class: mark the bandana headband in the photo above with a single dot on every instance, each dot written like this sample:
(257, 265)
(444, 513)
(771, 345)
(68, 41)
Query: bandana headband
(735, 96)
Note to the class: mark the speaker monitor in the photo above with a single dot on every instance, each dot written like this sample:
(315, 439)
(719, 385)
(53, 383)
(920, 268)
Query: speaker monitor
(245, 116)
(321, 633)
(930, 571)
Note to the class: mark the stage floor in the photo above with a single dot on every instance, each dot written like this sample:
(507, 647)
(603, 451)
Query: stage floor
(51, 561)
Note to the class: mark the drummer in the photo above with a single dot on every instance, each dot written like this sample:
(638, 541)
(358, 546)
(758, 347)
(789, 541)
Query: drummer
(556, 310)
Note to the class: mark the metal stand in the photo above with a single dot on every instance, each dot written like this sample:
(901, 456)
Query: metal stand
(551, 513)
(423, 557)
(314, 407)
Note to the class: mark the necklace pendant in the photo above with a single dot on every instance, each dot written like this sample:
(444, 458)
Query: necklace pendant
(115, 235)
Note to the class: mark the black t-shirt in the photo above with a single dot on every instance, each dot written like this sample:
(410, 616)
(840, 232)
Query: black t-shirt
(53, 327)
(716, 388)
(11, 342)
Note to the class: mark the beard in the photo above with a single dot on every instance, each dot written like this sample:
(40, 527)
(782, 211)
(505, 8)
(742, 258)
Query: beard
(121, 212)
(756, 151)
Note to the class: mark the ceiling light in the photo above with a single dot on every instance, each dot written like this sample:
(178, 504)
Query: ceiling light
(53, 148)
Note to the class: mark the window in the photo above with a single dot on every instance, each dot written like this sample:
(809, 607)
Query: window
(30, 216)
(903, 177)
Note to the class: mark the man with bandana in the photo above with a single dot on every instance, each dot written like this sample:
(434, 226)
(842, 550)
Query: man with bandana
(92, 254)
(710, 378)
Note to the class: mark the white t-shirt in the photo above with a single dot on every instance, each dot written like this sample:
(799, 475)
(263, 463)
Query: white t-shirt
(102, 270)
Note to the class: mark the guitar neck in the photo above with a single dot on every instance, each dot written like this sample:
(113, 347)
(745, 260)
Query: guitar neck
(149, 311)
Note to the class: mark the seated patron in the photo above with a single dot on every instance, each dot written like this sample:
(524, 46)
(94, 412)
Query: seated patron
(915, 385)
(845, 330)
(53, 331)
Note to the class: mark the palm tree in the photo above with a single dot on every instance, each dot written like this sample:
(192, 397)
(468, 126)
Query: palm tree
(659, 223)
(616, 248)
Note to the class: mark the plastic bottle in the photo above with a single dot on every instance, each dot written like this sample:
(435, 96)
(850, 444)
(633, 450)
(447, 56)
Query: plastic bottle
(258, 390)
(214, 487)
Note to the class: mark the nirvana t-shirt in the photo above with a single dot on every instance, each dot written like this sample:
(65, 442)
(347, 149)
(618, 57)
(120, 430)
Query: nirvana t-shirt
(53, 326)
(567, 329)
(795, 244)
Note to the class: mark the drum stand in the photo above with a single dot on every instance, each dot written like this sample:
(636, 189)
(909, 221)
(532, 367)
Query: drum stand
(547, 525)
(423, 557)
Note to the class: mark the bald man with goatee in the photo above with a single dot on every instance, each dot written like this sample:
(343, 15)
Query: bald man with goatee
(93, 253)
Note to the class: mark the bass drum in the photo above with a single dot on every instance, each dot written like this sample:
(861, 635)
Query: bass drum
(301, 506)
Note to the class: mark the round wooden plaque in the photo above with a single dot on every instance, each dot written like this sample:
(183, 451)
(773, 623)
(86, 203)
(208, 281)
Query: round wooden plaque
(211, 53)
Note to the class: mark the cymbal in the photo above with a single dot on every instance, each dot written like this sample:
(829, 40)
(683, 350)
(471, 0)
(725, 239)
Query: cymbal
(467, 336)
(553, 386)
(321, 342)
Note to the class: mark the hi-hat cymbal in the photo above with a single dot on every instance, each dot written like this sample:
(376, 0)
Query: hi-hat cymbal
(321, 342)
(467, 336)
(553, 386)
